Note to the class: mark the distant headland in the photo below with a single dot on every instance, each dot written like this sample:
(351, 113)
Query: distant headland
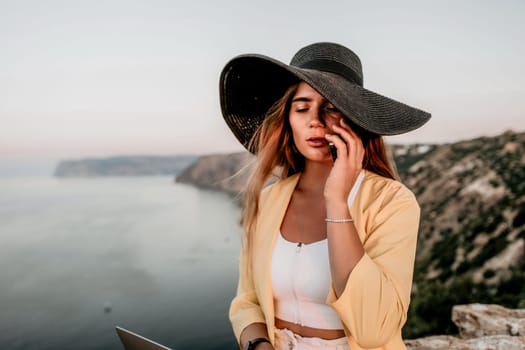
(124, 166)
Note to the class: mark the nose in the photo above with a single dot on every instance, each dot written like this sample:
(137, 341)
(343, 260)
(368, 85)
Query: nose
(317, 119)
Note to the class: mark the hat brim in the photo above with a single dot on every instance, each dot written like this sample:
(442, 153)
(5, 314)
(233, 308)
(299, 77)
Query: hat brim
(251, 84)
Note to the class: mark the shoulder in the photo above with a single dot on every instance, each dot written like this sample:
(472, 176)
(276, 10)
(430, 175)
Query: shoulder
(387, 203)
(278, 187)
(385, 191)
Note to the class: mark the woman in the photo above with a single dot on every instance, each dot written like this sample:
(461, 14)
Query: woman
(329, 249)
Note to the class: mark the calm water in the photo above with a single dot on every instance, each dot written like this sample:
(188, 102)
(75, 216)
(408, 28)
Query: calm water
(79, 256)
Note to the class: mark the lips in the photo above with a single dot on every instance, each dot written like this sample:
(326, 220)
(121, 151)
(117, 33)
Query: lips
(317, 141)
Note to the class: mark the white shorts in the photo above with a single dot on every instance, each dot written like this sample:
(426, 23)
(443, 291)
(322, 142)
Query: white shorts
(285, 339)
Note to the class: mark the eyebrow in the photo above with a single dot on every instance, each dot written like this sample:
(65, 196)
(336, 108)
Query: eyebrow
(307, 99)
(301, 99)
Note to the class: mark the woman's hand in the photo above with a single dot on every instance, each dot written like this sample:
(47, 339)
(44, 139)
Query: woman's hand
(344, 245)
(349, 162)
(252, 331)
(265, 346)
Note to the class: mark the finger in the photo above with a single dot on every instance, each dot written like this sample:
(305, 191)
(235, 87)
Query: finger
(337, 140)
(355, 145)
(348, 128)
(340, 145)
(350, 139)
(358, 141)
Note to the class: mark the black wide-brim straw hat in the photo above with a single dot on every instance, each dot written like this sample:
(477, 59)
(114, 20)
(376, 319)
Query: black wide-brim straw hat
(250, 84)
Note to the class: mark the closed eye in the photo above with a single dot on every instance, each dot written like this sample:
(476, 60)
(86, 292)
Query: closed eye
(301, 108)
(330, 110)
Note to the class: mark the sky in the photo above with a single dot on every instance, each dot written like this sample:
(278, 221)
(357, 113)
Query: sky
(98, 78)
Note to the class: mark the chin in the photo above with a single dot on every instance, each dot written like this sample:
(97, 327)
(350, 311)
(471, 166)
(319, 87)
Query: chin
(315, 154)
(316, 157)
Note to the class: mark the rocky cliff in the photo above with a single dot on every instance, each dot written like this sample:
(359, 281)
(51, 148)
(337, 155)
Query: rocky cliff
(224, 172)
(230, 172)
(481, 327)
(472, 233)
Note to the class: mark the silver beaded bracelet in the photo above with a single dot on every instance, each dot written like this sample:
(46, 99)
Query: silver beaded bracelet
(338, 220)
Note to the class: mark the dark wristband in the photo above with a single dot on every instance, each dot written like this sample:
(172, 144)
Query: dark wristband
(254, 342)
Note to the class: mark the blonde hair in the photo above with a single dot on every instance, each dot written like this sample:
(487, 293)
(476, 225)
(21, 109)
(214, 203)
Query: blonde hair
(275, 150)
(278, 156)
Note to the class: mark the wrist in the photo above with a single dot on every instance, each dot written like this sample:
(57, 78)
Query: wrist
(257, 343)
(336, 207)
(335, 199)
(265, 346)
(333, 196)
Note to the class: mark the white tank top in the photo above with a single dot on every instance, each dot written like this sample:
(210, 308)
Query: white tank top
(301, 280)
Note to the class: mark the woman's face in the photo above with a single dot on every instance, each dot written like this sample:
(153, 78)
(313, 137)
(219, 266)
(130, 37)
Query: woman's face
(311, 118)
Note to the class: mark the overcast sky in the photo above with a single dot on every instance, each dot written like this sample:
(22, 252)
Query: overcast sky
(99, 78)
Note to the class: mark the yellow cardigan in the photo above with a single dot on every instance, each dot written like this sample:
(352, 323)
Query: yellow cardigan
(374, 303)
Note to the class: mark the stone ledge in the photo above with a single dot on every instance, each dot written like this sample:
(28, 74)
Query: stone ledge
(476, 320)
(444, 342)
(481, 327)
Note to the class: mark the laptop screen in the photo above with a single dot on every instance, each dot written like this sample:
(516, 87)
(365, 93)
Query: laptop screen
(133, 341)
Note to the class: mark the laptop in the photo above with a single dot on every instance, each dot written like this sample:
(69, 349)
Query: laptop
(133, 341)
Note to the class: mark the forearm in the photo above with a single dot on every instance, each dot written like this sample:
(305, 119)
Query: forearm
(253, 331)
(344, 246)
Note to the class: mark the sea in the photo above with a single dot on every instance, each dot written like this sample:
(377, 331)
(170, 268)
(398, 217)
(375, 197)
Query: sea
(79, 256)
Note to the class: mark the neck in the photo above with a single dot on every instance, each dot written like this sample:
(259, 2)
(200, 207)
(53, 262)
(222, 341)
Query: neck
(314, 177)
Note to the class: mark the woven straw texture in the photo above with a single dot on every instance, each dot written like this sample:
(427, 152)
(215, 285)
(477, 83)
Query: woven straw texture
(251, 84)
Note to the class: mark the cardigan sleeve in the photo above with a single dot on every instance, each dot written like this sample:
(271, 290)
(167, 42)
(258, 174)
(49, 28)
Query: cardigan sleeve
(245, 308)
(374, 303)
